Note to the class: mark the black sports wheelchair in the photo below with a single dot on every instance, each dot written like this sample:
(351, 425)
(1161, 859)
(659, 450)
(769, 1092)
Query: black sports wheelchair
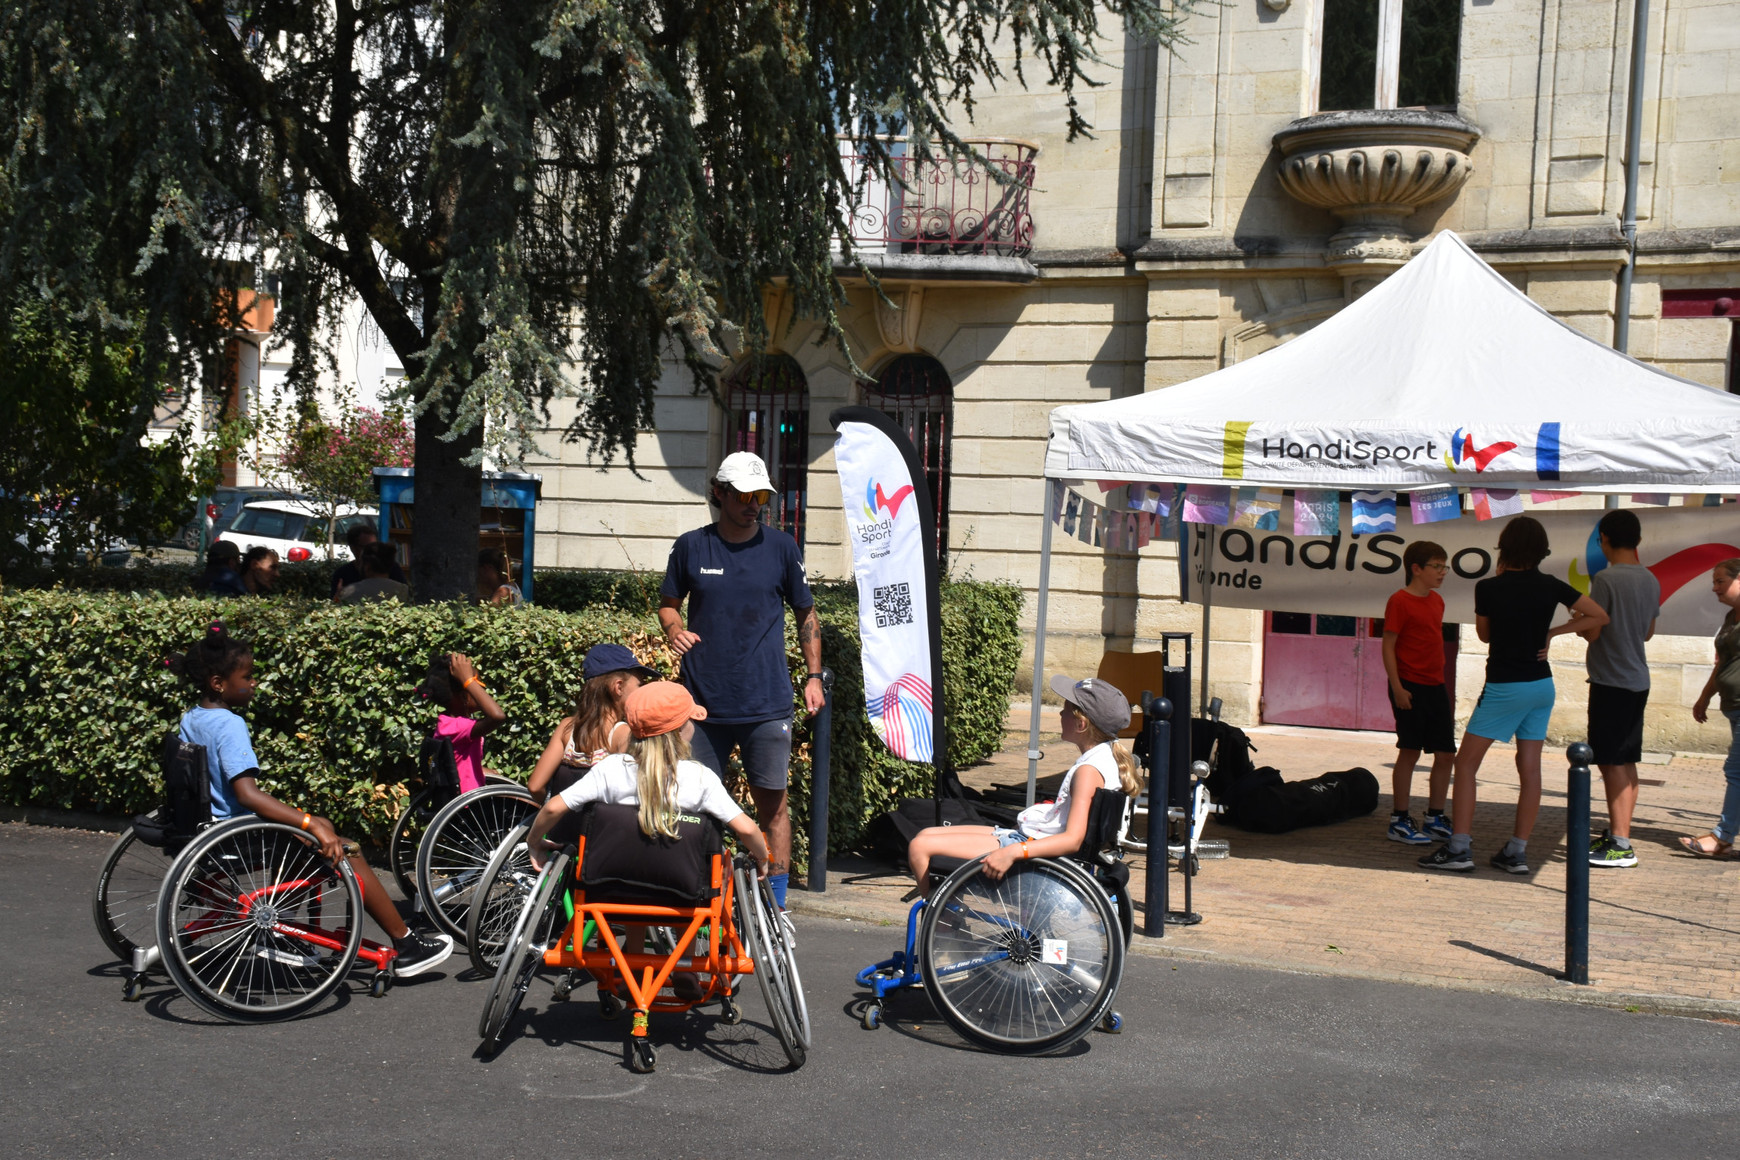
(1027, 964)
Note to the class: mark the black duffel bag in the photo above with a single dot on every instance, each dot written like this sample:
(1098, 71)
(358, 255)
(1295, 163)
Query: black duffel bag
(1264, 803)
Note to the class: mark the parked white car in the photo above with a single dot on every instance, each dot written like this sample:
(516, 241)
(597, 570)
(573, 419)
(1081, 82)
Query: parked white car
(295, 529)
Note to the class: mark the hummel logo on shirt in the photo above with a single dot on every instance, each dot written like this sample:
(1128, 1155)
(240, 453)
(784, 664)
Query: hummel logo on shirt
(712, 571)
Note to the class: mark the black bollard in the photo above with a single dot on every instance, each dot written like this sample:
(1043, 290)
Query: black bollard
(821, 764)
(1157, 723)
(1577, 866)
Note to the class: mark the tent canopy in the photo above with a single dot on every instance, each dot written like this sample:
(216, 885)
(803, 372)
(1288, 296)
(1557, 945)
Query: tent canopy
(1443, 375)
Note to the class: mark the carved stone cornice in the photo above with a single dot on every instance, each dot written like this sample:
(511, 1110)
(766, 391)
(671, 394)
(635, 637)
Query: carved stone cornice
(1373, 168)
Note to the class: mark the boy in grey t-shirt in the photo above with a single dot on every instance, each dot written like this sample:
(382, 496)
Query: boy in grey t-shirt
(1619, 677)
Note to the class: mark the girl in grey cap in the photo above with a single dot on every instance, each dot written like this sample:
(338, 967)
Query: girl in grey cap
(1094, 713)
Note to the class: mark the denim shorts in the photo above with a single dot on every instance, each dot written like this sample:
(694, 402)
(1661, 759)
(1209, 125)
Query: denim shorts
(1521, 708)
(1007, 837)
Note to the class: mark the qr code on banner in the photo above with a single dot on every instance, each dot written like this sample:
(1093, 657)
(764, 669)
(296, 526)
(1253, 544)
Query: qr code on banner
(893, 604)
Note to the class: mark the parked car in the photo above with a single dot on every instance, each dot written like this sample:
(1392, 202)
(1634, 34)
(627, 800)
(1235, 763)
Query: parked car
(295, 528)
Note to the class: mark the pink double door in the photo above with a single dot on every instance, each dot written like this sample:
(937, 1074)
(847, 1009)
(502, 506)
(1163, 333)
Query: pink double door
(1329, 671)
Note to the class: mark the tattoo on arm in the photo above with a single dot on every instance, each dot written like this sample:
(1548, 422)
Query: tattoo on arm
(809, 628)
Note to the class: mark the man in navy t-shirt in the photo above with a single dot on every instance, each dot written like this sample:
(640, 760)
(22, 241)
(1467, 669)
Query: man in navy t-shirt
(738, 577)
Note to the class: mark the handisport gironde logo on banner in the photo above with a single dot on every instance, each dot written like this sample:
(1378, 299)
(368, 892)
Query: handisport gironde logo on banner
(1461, 452)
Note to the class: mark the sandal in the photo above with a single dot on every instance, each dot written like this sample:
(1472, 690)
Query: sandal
(1707, 846)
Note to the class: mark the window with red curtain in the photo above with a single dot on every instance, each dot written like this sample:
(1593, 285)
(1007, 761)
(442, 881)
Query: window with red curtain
(767, 411)
(916, 392)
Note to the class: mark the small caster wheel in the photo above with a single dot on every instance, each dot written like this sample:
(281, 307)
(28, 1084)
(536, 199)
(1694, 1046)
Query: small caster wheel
(1195, 866)
(564, 988)
(872, 1017)
(730, 1013)
(1112, 1024)
(380, 984)
(609, 1006)
(134, 990)
(641, 1056)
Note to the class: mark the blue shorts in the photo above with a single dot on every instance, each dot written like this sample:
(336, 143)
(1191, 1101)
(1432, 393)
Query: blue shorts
(1521, 708)
(1007, 837)
(765, 747)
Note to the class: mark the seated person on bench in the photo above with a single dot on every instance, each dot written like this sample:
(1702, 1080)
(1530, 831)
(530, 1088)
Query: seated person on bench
(1094, 713)
(655, 774)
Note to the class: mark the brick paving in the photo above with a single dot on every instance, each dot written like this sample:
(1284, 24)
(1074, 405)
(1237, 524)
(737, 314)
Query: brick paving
(1344, 899)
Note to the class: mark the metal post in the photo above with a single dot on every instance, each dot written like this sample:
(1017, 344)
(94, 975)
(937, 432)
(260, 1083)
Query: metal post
(1577, 866)
(1633, 150)
(1157, 722)
(1207, 609)
(821, 769)
(1053, 490)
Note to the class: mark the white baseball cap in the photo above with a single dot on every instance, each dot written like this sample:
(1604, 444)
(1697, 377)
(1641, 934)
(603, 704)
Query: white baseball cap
(744, 471)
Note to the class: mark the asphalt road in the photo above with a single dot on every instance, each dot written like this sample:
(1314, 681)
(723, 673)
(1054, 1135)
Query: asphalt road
(1215, 1061)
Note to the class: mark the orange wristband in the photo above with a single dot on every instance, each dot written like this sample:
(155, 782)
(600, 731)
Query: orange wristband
(307, 820)
(470, 681)
(1025, 852)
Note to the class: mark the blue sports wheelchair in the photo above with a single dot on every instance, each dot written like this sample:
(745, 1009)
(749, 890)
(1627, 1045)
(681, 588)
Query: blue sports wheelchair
(1028, 964)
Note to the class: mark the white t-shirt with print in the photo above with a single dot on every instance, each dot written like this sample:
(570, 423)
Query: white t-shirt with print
(615, 779)
(1044, 819)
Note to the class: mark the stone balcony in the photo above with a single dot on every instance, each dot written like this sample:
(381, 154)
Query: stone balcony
(1373, 168)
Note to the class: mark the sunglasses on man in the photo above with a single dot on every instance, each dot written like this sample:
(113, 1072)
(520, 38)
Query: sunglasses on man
(761, 496)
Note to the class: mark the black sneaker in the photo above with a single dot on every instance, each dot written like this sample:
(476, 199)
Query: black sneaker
(419, 950)
(1443, 859)
(1606, 853)
(1510, 863)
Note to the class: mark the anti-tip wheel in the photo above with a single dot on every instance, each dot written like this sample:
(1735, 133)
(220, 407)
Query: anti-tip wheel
(730, 1013)
(564, 988)
(1112, 1024)
(609, 1006)
(641, 1056)
(380, 984)
(872, 1017)
(134, 990)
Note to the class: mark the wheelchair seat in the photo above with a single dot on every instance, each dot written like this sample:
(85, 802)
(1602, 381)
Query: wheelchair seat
(623, 865)
(1098, 846)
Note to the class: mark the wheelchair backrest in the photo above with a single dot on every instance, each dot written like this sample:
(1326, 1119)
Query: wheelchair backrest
(437, 766)
(622, 864)
(186, 787)
(1105, 815)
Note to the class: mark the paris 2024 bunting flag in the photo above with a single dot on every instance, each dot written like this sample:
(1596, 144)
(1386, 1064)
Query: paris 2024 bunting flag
(892, 531)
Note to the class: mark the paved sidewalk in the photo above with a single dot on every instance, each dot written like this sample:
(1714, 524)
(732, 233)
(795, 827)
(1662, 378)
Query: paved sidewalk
(1345, 900)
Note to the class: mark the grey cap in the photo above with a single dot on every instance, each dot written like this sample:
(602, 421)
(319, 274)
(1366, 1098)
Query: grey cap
(1100, 701)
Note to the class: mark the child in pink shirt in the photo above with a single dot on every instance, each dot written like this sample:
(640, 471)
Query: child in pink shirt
(453, 682)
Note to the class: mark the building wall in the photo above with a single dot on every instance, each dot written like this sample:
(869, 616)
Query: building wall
(1165, 248)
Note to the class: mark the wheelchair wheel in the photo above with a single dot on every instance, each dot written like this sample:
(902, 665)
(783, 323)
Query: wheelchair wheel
(775, 968)
(501, 894)
(462, 838)
(1024, 965)
(255, 924)
(540, 921)
(408, 830)
(124, 904)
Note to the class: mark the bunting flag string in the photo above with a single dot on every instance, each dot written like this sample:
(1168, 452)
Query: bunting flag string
(1207, 504)
(1434, 505)
(1316, 513)
(1373, 512)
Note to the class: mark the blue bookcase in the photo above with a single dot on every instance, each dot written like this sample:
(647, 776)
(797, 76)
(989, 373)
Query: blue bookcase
(509, 507)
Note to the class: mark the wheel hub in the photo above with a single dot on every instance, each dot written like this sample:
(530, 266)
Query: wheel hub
(1022, 950)
(265, 917)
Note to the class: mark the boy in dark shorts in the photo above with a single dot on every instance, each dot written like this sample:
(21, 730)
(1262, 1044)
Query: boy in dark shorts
(1619, 677)
(1414, 662)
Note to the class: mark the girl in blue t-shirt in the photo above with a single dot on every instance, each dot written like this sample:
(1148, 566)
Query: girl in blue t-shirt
(221, 668)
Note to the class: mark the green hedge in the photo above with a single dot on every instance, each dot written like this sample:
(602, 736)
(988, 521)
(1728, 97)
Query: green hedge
(337, 722)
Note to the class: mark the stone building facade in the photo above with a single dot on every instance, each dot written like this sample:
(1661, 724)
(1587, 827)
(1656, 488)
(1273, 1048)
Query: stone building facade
(1233, 195)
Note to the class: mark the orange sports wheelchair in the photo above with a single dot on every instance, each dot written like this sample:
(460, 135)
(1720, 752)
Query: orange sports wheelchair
(721, 917)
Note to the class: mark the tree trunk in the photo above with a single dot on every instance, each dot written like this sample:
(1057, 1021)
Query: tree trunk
(445, 512)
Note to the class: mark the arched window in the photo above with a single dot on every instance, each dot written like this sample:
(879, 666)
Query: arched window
(767, 411)
(916, 392)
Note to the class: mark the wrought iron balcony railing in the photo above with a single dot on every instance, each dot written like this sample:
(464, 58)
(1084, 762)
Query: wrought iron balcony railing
(941, 206)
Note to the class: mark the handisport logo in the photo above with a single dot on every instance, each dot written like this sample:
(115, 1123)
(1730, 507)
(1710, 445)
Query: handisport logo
(1467, 452)
(876, 501)
(1672, 573)
(903, 718)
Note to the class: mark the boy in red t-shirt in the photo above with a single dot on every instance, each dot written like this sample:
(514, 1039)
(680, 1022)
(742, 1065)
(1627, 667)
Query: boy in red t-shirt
(1414, 662)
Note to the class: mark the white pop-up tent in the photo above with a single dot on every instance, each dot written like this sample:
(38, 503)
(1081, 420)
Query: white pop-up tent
(1443, 375)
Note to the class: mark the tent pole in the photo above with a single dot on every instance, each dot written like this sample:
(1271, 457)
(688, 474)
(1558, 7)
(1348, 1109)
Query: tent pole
(1633, 149)
(1052, 489)
(1207, 610)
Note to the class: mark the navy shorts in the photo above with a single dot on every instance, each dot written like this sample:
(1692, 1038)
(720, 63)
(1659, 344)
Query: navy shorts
(765, 746)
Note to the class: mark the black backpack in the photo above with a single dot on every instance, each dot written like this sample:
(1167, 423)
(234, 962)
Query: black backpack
(438, 768)
(186, 797)
(1266, 804)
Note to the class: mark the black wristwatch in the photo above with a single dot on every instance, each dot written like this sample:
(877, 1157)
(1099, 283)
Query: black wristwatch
(812, 676)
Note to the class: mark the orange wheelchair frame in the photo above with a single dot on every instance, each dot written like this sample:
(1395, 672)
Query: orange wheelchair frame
(735, 932)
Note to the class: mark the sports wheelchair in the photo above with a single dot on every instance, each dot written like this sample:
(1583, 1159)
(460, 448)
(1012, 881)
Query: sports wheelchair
(723, 916)
(246, 916)
(1027, 964)
(443, 840)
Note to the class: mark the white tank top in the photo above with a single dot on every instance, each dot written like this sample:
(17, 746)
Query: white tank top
(1044, 819)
